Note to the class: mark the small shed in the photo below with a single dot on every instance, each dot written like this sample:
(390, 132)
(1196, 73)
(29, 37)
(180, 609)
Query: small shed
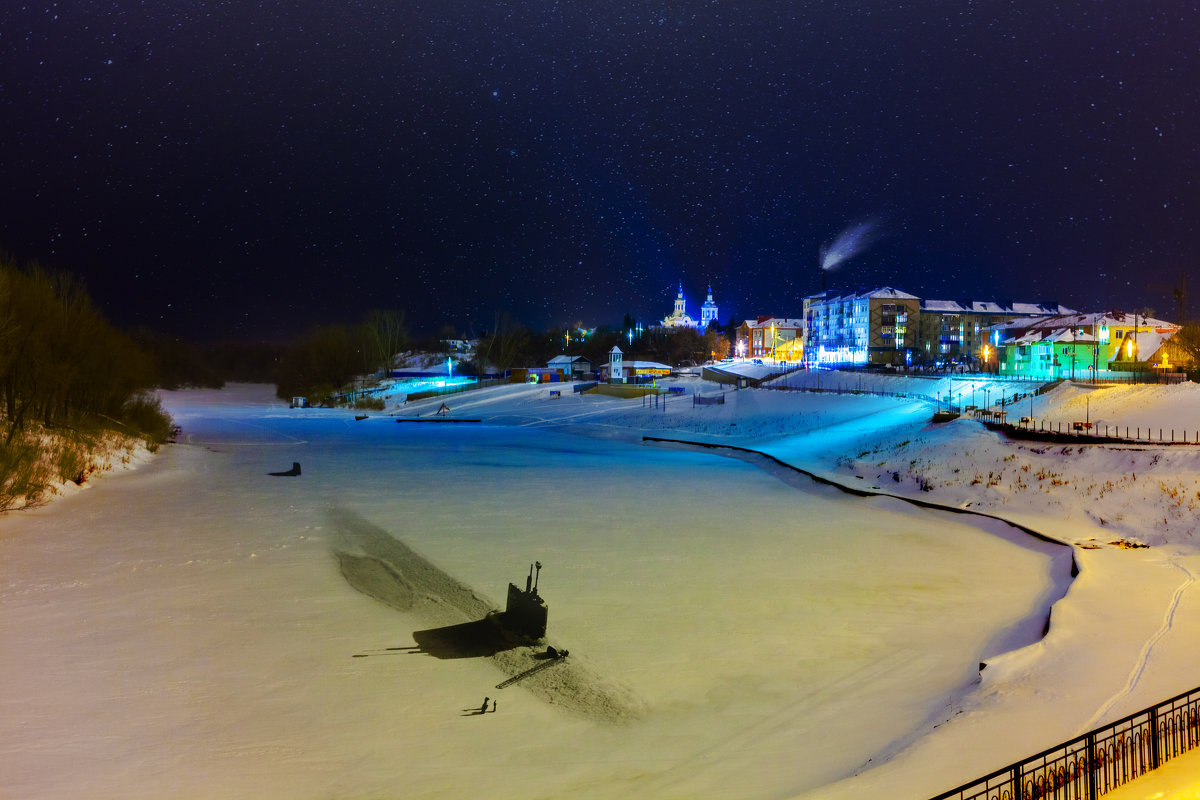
(573, 366)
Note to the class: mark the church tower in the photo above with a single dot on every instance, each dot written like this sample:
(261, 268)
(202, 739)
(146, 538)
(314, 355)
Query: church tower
(708, 312)
(679, 317)
(680, 310)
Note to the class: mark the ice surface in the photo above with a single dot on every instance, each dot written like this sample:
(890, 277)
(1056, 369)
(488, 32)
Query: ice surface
(186, 629)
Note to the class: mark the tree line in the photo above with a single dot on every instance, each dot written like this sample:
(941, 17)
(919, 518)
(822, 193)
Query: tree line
(509, 345)
(328, 359)
(63, 365)
(66, 378)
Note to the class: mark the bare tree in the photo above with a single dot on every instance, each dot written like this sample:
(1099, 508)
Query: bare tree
(384, 337)
(505, 346)
(1186, 344)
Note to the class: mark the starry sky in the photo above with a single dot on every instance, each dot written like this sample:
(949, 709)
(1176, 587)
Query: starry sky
(249, 168)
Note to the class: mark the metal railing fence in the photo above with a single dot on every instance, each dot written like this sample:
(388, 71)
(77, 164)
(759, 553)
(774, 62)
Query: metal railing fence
(1092, 765)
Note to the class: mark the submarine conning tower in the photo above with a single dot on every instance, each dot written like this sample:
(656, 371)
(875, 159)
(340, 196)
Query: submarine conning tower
(526, 613)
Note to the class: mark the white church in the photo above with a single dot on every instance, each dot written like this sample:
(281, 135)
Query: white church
(679, 318)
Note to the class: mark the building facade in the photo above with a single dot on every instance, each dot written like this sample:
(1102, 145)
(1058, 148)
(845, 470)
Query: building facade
(875, 327)
(1083, 346)
(958, 332)
(779, 338)
(888, 326)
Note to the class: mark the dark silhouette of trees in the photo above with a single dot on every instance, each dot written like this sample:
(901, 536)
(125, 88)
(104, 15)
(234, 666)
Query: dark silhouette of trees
(330, 357)
(1186, 344)
(178, 363)
(506, 346)
(66, 377)
(597, 346)
(61, 363)
(326, 360)
(384, 335)
(716, 345)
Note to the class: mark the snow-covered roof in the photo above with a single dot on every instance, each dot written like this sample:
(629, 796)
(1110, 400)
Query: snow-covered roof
(1150, 342)
(1029, 337)
(984, 307)
(1036, 310)
(565, 359)
(1028, 309)
(778, 322)
(888, 293)
(1068, 336)
(1078, 320)
(941, 306)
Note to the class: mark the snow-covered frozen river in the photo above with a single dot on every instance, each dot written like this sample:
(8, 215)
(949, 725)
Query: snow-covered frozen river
(184, 630)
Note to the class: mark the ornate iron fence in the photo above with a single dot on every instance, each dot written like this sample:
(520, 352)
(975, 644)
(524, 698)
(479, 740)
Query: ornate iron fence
(1092, 765)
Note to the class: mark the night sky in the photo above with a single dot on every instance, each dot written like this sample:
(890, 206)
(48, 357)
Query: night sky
(246, 169)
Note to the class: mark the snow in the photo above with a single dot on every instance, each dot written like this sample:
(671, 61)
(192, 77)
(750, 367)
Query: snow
(196, 628)
(1178, 779)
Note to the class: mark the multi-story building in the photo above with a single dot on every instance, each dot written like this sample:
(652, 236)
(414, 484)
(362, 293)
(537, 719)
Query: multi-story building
(889, 326)
(958, 331)
(876, 327)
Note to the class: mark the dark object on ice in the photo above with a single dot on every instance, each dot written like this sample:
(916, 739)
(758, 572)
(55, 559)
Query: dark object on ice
(526, 613)
(945, 416)
(493, 706)
(291, 473)
(359, 417)
(483, 708)
(522, 622)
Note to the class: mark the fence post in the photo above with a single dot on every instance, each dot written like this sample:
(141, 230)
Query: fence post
(1016, 782)
(1091, 766)
(1154, 754)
